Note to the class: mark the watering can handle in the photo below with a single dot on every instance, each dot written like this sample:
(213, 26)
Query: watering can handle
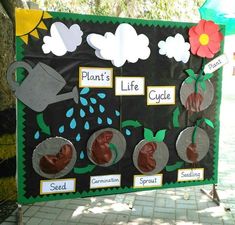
(13, 84)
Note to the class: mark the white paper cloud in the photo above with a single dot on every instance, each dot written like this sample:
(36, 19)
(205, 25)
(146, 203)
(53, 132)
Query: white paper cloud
(175, 47)
(62, 39)
(124, 45)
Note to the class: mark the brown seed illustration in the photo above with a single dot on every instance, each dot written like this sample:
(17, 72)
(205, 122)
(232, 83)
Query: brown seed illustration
(146, 162)
(100, 151)
(192, 153)
(52, 164)
(194, 102)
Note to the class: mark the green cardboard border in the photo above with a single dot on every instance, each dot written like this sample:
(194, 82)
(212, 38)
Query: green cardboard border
(20, 116)
(20, 128)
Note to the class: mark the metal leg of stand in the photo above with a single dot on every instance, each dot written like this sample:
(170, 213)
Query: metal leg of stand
(213, 195)
(20, 215)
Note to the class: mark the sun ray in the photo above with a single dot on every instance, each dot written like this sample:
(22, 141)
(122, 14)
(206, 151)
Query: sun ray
(46, 15)
(28, 21)
(42, 25)
(25, 38)
(34, 33)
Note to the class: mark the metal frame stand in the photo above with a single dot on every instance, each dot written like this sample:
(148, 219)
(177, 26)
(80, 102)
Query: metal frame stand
(213, 195)
(20, 215)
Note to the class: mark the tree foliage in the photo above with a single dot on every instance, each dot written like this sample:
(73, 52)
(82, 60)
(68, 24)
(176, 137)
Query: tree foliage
(177, 10)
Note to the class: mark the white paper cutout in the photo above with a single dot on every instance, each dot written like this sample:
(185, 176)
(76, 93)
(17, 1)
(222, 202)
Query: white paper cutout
(175, 47)
(124, 45)
(62, 39)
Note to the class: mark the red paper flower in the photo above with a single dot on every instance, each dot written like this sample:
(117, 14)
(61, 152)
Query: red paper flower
(205, 39)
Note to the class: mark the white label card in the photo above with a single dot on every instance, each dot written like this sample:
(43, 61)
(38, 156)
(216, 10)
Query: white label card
(215, 64)
(129, 86)
(57, 186)
(94, 77)
(144, 181)
(190, 174)
(113, 180)
(160, 95)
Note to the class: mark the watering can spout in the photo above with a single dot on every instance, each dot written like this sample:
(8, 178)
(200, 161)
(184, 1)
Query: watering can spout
(70, 95)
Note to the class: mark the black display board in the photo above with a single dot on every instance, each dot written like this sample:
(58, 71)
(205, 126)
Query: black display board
(101, 106)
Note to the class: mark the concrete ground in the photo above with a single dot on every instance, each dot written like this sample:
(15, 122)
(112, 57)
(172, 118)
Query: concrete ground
(179, 206)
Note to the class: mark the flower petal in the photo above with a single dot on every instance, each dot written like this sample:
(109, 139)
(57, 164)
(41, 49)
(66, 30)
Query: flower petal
(192, 32)
(194, 43)
(199, 29)
(214, 46)
(210, 27)
(204, 51)
(216, 37)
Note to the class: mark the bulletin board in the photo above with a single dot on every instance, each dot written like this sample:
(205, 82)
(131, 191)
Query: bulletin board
(114, 105)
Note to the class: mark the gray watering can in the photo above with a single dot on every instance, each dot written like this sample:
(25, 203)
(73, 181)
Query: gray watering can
(40, 87)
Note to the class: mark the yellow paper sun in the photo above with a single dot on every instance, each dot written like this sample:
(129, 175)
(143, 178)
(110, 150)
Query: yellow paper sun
(28, 21)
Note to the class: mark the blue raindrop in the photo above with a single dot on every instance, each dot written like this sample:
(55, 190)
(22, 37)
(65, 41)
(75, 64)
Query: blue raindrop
(99, 120)
(82, 113)
(36, 135)
(117, 113)
(84, 91)
(91, 109)
(101, 108)
(109, 121)
(82, 155)
(70, 112)
(83, 101)
(73, 123)
(78, 137)
(101, 95)
(128, 132)
(87, 125)
(61, 129)
(93, 100)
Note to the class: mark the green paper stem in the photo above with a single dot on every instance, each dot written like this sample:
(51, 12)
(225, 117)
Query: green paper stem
(194, 134)
(198, 123)
(200, 75)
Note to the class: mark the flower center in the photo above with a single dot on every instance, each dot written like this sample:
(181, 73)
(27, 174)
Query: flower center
(204, 39)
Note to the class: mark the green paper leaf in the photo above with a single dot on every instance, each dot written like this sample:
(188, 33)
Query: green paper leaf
(209, 123)
(176, 114)
(189, 80)
(203, 85)
(207, 76)
(160, 135)
(148, 134)
(191, 74)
